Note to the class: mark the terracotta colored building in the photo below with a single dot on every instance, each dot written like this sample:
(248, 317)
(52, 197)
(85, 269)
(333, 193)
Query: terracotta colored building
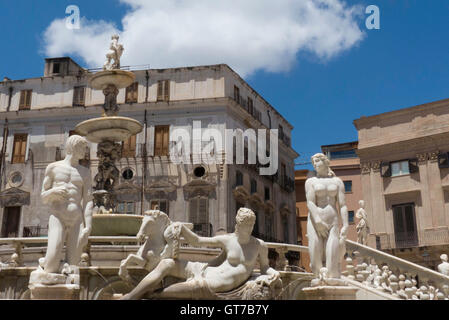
(405, 176)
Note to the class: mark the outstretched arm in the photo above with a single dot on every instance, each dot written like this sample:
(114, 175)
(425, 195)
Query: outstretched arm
(196, 240)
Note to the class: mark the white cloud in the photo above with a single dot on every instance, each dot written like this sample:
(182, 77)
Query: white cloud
(248, 35)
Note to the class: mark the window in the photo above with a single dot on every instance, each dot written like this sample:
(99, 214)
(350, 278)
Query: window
(399, 168)
(126, 207)
(285, 227)
(443, 160)
(405, 231)
(236, 94)
(161, 140)
(11, 222)
(283, 175)
(281, 132)
(19, 148)
(25, 99)
(198, 215)
(351, 217)
(342, 154)
(348, 186)
(268, 225)
(129, 147)
(131, 93)
(161, 204)
(253, 186)
(238, 179)
(56, 67)
(79, 94)
(250, 106)
(267, 193)
(163, 90)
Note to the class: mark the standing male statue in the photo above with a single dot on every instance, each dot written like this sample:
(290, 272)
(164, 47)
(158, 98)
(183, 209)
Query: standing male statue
(67, 191)
(443, 267)
(325, 193)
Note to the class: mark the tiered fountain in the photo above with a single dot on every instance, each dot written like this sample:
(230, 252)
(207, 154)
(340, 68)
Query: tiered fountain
(109, 131)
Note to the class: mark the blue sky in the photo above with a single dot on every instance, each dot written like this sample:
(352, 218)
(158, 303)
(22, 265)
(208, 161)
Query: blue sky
(403, 64)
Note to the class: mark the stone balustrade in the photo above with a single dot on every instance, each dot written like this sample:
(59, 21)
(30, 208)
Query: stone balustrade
(389, 274)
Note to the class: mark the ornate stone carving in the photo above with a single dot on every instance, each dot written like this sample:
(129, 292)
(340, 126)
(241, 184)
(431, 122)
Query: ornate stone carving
(114, 54)
(433, 156)
(322, 226)
(210, 280)
(375, 165)
(422, 157)
(14, 197)
(366, 167)
(65, 189)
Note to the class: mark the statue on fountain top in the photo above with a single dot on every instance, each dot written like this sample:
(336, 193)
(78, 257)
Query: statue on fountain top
(115, 53)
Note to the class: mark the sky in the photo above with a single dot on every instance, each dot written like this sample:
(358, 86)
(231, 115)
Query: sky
(315, 61)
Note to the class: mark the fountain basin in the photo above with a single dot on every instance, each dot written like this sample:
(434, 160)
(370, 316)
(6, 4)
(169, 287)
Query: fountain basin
(115, 224)
(118, 78)
(115, 129)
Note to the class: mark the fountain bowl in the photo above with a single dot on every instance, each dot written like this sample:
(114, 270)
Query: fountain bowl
(115, 224)
(108, 128)
(118, 78)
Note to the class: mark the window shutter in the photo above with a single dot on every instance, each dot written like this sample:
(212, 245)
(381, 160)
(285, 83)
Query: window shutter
(166, 90)
(22, 99)
(413, 165)
(19, 151)
(28, 98)
(160, 90)
(157, 141)
(163, 206)
(193, 210)
(385, 169)
(25, 99)
(165, 140)
(443, 160)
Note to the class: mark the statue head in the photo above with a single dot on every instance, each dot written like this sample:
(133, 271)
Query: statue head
(76, 146)
(443, 257)
(115, 37)
(321, 164)
(362, 204)
(245, 220)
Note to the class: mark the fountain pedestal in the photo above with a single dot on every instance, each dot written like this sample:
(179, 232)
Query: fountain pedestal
(108, 131)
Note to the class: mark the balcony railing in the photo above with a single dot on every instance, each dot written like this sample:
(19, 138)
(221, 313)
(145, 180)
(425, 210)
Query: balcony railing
(244, 104)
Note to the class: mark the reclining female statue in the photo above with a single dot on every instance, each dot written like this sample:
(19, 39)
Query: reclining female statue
(232, 268)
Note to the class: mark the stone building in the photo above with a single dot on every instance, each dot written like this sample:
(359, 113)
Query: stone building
(38, 115)
(405, 178)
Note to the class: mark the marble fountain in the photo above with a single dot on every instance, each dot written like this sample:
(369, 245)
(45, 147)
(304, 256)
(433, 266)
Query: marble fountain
(108, 131)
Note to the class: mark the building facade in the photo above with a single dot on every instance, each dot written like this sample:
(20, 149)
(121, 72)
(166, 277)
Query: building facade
(405, 178)
(38, 115)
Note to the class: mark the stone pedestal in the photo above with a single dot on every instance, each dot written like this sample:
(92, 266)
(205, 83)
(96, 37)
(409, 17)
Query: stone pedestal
(54, 292)
(55, 286)
(330, 293)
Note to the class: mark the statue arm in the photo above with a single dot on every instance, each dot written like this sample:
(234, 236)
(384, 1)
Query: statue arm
(343, 209)
(320, 226)
(196, 240)
(48, 192)
(264, 262)
(88, 204)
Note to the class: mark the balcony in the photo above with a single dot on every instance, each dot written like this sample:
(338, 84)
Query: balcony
(287, 183)
(285, 139)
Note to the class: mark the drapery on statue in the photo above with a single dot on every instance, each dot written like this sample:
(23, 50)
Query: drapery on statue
(323, 193)
(224, 276)
(362, 227)
(66, 189)
(115, 53)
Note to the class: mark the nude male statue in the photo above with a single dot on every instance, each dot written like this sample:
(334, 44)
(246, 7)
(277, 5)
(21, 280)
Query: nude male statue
(324, 193)
(66, 189)
(232, 268)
